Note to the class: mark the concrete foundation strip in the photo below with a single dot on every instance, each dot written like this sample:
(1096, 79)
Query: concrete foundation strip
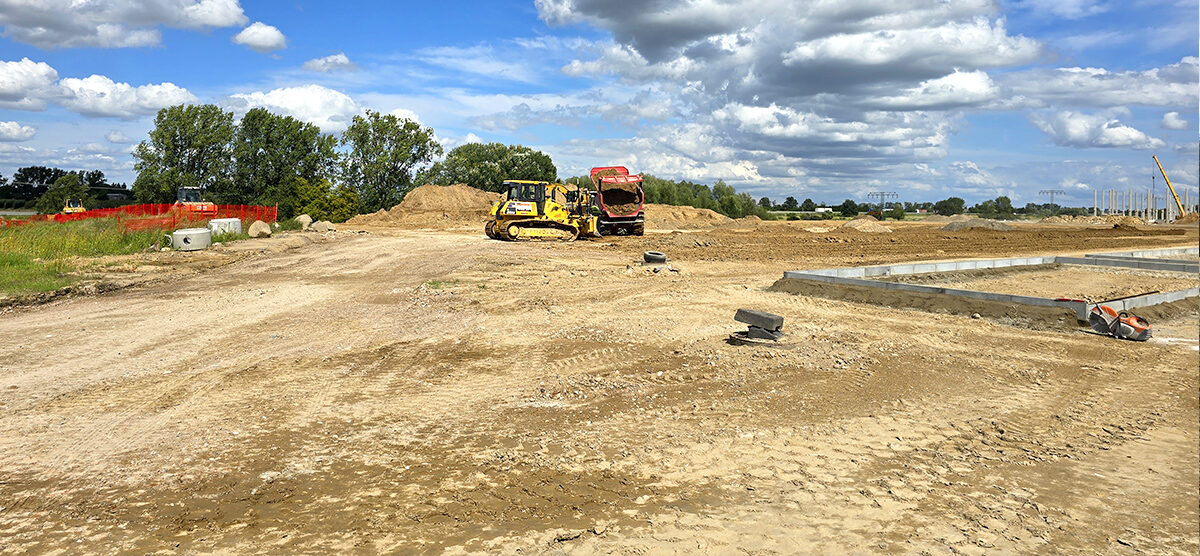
(860, 276)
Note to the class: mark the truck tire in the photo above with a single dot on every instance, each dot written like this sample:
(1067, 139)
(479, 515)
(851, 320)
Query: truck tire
(654, 257)
(639, 229)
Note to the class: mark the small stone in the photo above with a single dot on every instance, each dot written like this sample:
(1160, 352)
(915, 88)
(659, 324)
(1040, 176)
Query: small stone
(165, 249)
(305, 221)
(975, 316)
(323, 226)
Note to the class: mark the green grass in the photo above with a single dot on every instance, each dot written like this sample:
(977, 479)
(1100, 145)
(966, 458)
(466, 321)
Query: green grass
(226, 238)
(439, 284)
(21, 274)
(85, 238)
(288, 225)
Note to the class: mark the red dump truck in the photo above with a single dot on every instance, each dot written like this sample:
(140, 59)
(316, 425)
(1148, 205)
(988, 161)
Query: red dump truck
(620, 200)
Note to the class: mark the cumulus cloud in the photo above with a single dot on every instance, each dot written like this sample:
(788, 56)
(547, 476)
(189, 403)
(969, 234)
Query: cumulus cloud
(1075, 129)
(13, 131)
(113, 23)
(261, 37)
(1069, 9)
(326, 108)
(331, 63)
(25, 84)
(405, 114)
(99, 96)
(956, 90)
(115, 136)
(1172, 120)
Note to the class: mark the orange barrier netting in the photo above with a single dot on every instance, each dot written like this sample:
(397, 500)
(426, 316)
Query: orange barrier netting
(150, 216)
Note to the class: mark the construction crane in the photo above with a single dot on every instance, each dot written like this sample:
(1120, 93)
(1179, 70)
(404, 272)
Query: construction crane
(1169, 186)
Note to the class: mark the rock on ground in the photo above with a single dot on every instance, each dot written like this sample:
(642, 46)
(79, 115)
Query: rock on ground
(323, 226)
(305, 221)
(259, 229)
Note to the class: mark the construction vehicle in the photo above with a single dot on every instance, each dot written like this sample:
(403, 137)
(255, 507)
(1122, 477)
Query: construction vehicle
(1169, 186)
(1119, 324)
(73, 206)
(538, 210)
(620, 201)
(190, 205)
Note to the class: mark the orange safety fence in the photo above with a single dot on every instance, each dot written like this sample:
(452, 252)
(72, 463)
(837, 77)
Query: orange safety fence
(162, 216)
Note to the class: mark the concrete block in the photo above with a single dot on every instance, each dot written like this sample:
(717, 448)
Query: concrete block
(763, 320)
(762, 334)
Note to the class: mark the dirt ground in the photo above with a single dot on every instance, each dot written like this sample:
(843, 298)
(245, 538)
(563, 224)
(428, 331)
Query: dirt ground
(1056, 281)
(435, 391)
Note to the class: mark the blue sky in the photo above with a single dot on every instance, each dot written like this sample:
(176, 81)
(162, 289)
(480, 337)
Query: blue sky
(829, 100)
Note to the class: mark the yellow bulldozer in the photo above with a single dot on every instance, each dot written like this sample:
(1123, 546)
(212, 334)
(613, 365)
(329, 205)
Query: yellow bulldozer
(538, 210)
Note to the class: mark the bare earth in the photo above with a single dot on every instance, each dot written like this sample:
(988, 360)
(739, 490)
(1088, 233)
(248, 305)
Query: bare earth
(436, 391)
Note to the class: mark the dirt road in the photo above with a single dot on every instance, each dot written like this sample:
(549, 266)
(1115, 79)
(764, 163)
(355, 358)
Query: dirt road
(436, 391)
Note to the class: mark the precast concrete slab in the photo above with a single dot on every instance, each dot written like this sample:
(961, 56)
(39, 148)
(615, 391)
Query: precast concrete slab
(867, 277)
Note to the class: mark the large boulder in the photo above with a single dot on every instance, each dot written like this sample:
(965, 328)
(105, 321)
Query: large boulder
(259, 229)
(323, 226)
(305, 221)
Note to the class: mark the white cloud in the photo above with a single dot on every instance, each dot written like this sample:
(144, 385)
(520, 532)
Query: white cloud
(13, 131)
(958, 89)
(25, 84)
(115, 136)
(1075, 129)
(100, 96)
(261, 37)
(1172, 120)
(331, 63)
(1072, 184)
(1174, 84)
(477, 60)
(113, 23)
(406, 114)
(326, 108)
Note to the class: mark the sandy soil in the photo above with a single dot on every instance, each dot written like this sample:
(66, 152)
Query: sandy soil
(437, 391)
(1055, 281)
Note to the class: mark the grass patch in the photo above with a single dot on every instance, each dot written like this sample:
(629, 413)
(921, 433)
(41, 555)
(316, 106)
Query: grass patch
(439, 284)
(232, 236)
(289, 225)
(84, 238)
(22, 274)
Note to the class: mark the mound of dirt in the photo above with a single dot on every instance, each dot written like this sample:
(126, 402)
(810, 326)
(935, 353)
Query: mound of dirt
(868, 224)
(1189, 218)
(936, 218)
(975, 224)
(434, 206)
(866, 217)
(962, 218)
(1099, 220)
(671, 217)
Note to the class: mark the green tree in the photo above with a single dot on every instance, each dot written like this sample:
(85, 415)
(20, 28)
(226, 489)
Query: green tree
(486, 166)
(949, 207)
(1004, 208)
(765, 203)
(66, 187)
(897, 212)
(848, 208)
(385, 154)
(808, 205)
(31, 182)
(323, 201)
(790, 204)
(270, 153)
(188, 147)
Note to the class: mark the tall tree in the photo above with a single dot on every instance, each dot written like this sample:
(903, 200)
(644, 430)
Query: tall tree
(848, 208)
(808, 205)
(385, 153)
(790, 203)
(188, 147)
(486, 166)
(949, 207)
(69, 186)
(270, 152)
(31, 182)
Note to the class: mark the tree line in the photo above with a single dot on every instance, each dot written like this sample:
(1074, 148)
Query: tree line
(31, 183)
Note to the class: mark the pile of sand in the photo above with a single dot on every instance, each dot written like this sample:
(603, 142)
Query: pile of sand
(962, 218)
(1101, 220)
(975, 224)
(868, 224)
(936, 218)
(434, 206)
(1189, 218)
(671, 217)
(621, 199)
(866, 217)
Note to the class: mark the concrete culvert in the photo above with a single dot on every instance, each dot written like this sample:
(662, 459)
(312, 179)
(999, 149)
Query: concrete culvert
(654, 257)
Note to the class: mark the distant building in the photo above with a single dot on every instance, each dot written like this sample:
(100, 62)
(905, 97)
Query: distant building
(824, 209)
